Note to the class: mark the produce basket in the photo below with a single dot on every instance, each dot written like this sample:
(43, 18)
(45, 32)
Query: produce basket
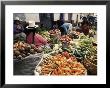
(27, 65)
(92, 68)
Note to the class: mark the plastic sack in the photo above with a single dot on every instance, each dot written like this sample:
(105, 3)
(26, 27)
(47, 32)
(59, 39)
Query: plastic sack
(27, 65)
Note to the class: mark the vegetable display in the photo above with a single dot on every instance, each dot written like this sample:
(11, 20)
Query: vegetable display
(85, 49)
(22, 49)
(47, 50)
(86, 52)
(45, 34)
(54, 36)
(74, 35)
(72, 54)
(65, 38)
(61, 64)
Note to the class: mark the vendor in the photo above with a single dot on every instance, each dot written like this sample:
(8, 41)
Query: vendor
(38, 39)
(65, 28)
(85, 27)
(18, 30)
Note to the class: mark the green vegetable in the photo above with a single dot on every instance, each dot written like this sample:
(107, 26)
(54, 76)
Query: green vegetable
(85, 49)
(47, 50)
(66, 49)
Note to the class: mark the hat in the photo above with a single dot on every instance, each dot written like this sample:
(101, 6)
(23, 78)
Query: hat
(32, 24)
(17, 18)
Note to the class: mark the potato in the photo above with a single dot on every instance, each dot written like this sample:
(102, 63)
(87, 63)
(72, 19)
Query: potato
(24, 55)
(17, 53)
(33, 46)
(32, 51)
(27, 48)
(28, 54)
(21, 49)
(14, 49)
(39, 50)
(19, 57)
(14, 57)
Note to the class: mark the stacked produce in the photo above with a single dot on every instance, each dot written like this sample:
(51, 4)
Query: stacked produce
(61, 64)
(47, 49)
(22, 49)
(74, 53)
(87, 53)
(54, 36)
(65, 38)
(74, 35)
(45, 34)
(54, 32)
(85, 48)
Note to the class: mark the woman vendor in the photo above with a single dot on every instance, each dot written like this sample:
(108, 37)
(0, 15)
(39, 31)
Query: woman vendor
(85, 27)
(18, 31)
(36, 37)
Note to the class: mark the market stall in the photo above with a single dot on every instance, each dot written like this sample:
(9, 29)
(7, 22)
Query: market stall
(71, 54)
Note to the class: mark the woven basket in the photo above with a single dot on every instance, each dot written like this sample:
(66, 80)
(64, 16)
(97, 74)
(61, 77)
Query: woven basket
(92, 68)
(27, 65)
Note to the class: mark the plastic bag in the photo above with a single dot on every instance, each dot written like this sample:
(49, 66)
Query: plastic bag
(27, 65)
